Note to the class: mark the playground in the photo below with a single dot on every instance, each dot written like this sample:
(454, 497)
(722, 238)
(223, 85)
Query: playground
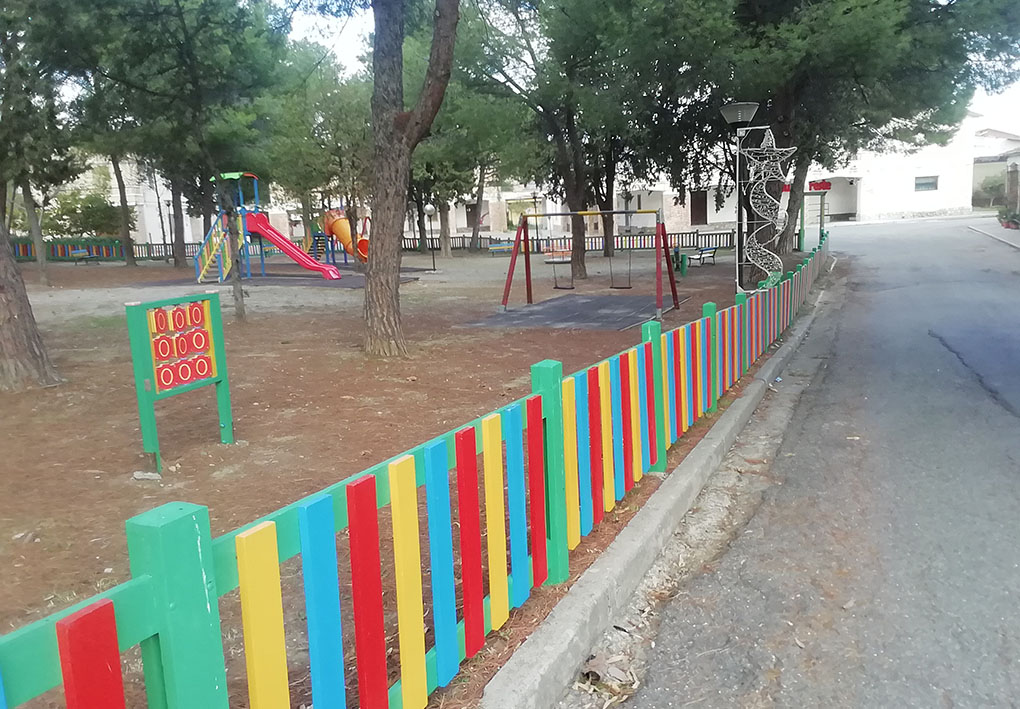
(309, 409)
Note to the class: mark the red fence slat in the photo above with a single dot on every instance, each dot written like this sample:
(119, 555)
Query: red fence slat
(470, 540)
(90, 658)
(628, 428)
(366, 593)
(536, 490)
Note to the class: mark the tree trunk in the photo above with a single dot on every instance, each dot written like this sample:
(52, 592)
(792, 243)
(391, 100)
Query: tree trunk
(8, 216)
(227, 206)
(385, 336)
(207, 216)
(23, 359)
(575, 203)
(125, 213)
(306, 217)
(419, 209)
(395, 133)
(608, 233)
(177, 211)
(476, 242)
(789, 238)
(444, 229)
(35, 229)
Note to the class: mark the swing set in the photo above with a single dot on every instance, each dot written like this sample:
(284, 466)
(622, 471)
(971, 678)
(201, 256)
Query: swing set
(523, 241)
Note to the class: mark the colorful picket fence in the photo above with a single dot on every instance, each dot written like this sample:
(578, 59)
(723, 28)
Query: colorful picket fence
(552, 465)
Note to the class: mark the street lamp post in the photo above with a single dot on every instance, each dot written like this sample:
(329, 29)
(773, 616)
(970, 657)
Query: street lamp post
(430, 210)
(739, 115)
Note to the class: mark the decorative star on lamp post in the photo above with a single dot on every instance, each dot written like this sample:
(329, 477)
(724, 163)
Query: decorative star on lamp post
(765, 165)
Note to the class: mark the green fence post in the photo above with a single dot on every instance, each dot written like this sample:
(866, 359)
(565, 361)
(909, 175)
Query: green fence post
(652, 332)
(708, 310)
(547, 380)
(145, 387)
(798, 295)
(683, 265)
(745, 332)
(184, 665)
(223, 408)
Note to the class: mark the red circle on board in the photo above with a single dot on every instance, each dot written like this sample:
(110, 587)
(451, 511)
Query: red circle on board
(199, 341)
(180, 318)
(196, 314)
(185, 372)
(164, 348)
(160, 320)
(183, 344)
(166, 376)
(202, 366)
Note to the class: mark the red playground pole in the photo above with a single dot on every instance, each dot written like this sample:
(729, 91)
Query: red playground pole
(669, 267)
(527, 257)
(658, 271)
(513, 262)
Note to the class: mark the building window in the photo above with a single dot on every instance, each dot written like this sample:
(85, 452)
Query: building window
(926, 184)
(639, 201)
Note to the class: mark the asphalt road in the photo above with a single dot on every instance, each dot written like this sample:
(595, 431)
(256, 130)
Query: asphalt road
(884, 570)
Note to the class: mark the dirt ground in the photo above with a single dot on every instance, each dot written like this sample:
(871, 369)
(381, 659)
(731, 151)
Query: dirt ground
(309, 409)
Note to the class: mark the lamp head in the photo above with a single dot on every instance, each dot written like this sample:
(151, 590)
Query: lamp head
(430, 209)
(739, 113)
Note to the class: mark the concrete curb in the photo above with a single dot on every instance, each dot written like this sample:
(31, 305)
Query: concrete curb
(541, 669)
(993, 236)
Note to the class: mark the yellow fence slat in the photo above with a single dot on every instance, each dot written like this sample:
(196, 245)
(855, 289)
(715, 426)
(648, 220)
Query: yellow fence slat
(635, 414)
(265, 649)
(495, 520)
(570, 464)
(407, 562)
(606, 396)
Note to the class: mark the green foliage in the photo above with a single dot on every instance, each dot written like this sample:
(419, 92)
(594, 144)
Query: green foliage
(34, 144)
(318, 127)
(992, 189)
(79, 213)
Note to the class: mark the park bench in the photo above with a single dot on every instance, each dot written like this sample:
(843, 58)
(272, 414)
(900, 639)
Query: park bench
(702, 254)
(83, 256)
(500, 248)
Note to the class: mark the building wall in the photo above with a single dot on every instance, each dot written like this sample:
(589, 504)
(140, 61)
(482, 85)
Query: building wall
(887, 188)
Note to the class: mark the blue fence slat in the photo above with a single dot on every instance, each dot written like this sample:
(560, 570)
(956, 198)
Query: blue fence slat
(583, 451)
(322, 602)
(444, 598)
(617, 411)
(520, 565)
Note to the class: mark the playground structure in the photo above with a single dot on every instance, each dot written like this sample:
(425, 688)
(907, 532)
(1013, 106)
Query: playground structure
(522, 239)
(337, 228)
(252, 223)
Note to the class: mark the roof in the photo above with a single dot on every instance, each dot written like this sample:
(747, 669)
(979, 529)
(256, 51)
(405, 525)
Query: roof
(996, 133)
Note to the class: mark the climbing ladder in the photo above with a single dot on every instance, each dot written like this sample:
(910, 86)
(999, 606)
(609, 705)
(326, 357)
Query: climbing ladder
(214, 250)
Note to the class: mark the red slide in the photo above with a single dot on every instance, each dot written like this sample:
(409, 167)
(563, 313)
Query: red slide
(259, 224)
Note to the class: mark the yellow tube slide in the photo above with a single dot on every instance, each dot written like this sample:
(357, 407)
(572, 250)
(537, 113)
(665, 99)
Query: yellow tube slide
(337, 226)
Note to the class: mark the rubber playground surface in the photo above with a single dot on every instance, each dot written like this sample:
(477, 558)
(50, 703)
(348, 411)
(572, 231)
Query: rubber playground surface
(579, 312)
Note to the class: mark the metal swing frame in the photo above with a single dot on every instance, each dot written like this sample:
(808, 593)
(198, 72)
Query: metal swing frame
(523, 240)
